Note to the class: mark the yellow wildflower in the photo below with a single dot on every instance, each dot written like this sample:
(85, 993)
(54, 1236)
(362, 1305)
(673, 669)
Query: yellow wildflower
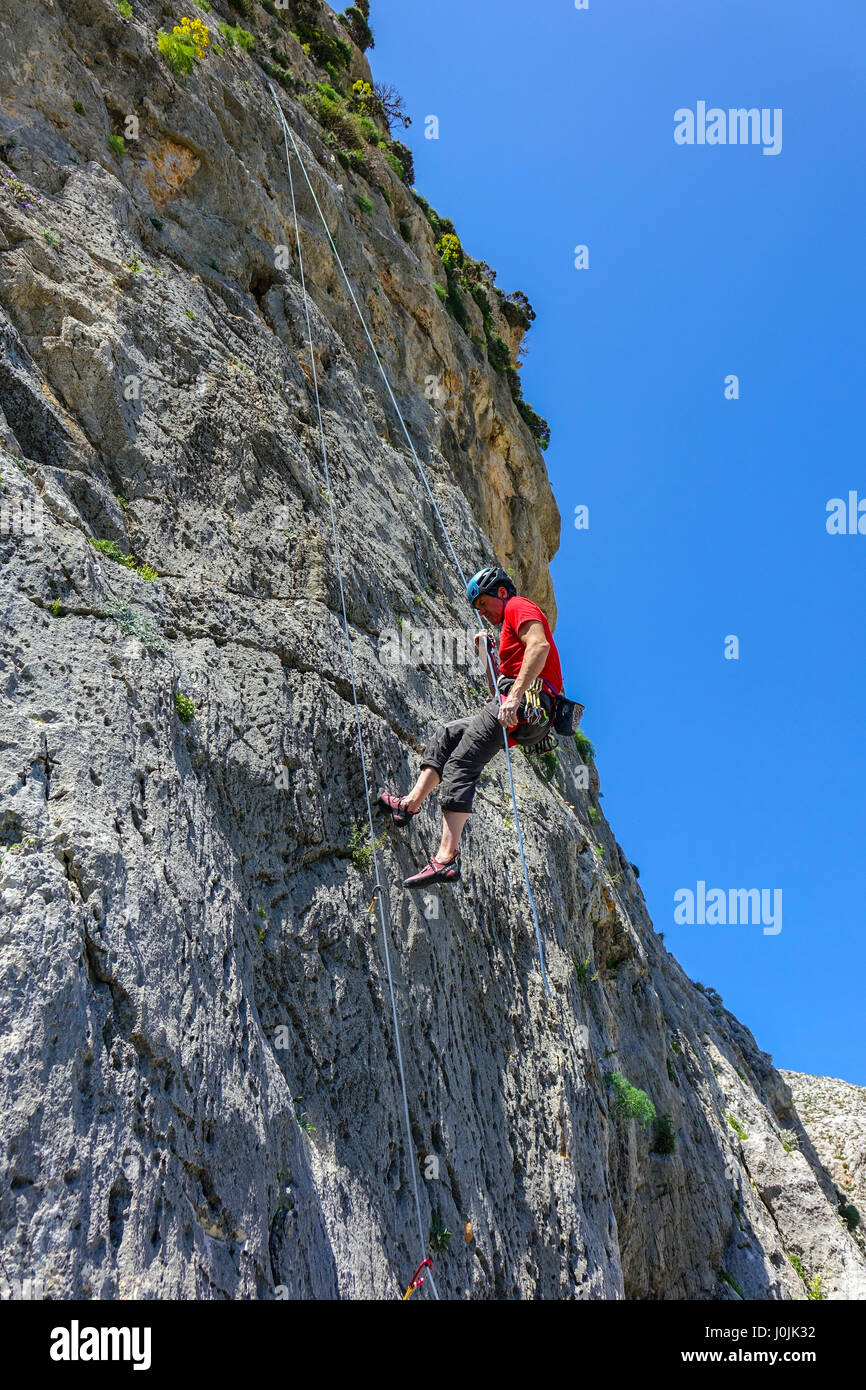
(193, 31)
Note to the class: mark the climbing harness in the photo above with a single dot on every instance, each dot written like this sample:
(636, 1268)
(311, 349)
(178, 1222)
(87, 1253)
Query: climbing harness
(379, 888)
(544, 745)
(418, 1278)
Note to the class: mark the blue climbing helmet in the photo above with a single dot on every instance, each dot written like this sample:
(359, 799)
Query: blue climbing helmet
(487, 581)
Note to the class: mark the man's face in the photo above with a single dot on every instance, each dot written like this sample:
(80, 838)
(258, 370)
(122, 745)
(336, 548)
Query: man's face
(493, 609)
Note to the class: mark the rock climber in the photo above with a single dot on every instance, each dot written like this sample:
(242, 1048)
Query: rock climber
(529, 678)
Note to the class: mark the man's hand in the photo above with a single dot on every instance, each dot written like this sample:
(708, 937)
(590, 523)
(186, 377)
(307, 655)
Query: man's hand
(508, 711)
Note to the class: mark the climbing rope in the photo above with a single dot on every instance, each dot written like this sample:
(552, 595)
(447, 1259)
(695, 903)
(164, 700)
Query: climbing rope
(378, 894)
(287, 136)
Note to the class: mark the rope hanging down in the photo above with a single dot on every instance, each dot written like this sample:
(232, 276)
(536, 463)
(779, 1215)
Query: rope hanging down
(378, 893)
(287, 136)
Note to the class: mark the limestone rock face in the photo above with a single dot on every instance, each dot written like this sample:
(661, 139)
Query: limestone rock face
(834, 1116)
(199, 1091)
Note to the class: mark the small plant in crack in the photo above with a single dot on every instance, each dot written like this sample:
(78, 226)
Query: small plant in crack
(581, 970)
(360, 849)
(439, 1239)
(184, 707)
(627, 1101)
(736, 1126)
(302, 1117)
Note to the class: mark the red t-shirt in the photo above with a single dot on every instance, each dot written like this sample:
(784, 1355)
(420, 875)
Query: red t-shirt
(518, 611)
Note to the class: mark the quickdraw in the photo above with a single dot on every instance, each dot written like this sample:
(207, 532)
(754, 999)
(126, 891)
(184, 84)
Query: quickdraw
(416, 1280)
(534, 711)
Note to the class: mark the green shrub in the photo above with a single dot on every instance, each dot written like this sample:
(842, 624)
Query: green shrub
(366, 130)
(158, 223)
(440, 225)
(117, 144)
(584, 747)
(321, 47)
(442, 292)
(124, 9)
(538, 426)
(813, 1286)
(402, 161)
(79, 107)
(481, 299)
(302, 1116)
(581, 970)
(847, 1210)
(454, 301)
(361, 851)
(177, 52)
(135, 624)
(326, 90)
(664, 1135)
(549, 763)
(234, 34)
(736, 1126)
(498, 354)
(55, 608)
(363, 202)
(440, 1236)
(184, 708)
(358, 27)
(112, 551)
(516, 309)
(629, 1103)
(51, 237)
(729, 1279)
(594, 815)
(331, 111)
(278, 73)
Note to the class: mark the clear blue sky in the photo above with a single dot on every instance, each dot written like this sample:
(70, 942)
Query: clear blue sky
(707, 516)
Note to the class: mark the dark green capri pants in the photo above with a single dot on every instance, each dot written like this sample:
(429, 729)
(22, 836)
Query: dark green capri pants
(460, 751)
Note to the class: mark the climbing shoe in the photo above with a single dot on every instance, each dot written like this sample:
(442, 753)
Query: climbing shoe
(395, 806)
(434, 872)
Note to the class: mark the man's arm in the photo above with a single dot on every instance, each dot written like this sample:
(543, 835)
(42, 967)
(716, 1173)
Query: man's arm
(536, 647)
